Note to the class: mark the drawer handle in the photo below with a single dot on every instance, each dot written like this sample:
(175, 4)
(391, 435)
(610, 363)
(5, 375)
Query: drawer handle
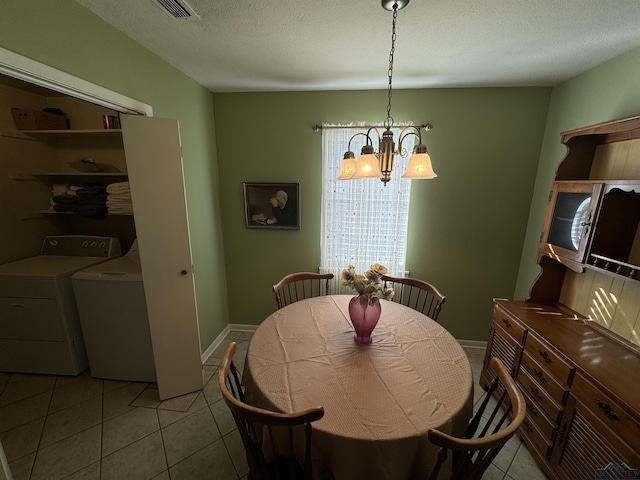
(506, 323)
(605, 408)
(526, 423)
(536, 393)
(545, 356)
(532, 411)
(540, 375)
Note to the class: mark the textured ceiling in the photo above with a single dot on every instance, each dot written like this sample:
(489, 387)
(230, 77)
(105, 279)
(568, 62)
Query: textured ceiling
(285, 45)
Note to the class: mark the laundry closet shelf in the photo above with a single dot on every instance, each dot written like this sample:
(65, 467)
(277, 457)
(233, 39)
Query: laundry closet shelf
(114, 175)
(53, 212)
(71, 133)
(105, 138)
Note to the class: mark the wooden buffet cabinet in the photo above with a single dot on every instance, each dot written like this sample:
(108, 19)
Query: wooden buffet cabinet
(572, 346)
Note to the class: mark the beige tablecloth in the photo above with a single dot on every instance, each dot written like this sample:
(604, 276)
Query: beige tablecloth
(379, 399)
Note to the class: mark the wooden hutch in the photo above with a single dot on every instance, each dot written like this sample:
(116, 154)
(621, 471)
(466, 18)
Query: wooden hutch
(573, 345)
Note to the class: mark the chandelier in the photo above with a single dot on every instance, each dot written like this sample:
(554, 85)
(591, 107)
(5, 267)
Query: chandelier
(379, 164)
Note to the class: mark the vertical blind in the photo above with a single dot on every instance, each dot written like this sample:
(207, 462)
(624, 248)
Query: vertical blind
(363, 222)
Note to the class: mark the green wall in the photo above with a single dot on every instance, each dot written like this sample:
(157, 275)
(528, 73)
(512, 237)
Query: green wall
(473, 230)
(466, 227)
(69, 37)
(608, 91)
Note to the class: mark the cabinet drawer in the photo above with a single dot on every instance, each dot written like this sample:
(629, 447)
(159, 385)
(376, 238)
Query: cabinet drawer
(549, 358)
(537, 416)
(511, 326)
(542, 398)
(533, 435)
(607, 410)
(548, 382)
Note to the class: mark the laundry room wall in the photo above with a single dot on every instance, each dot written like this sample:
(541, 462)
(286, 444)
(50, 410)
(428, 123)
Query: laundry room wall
(68, 37)
(20, 195)
(25, 192)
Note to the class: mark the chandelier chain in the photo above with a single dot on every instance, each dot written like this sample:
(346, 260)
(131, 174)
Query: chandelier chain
(372, 163)
(388, 123)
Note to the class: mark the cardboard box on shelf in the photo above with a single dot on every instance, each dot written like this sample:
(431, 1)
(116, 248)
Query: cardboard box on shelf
(26, 119)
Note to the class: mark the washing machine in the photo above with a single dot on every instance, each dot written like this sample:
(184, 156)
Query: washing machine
(113, 316)
(39, 325)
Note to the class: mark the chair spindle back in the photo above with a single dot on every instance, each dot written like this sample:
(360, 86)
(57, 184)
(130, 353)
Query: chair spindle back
(301, 285)
(258, 427)
(417, 294)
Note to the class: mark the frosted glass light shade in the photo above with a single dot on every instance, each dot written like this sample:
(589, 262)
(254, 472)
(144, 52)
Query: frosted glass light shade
(347, 168)
(367, 167)
(419, 165)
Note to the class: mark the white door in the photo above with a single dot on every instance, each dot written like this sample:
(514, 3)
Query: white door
(154, 163)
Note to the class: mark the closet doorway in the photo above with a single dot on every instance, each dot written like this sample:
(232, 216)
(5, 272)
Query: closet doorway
(165, 250)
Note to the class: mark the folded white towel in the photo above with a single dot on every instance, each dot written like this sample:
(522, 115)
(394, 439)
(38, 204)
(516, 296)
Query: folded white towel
(119, 203)
(118, 187)
(120, 211)
(119, 196)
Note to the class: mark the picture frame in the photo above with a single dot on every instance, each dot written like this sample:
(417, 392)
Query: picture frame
(267, 207)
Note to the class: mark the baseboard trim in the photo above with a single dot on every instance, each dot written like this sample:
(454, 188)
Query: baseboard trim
(473, 344)
(232, 327)
(215, 344)
(241, 327)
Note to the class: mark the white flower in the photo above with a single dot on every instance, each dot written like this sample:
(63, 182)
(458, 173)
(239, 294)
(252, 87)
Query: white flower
(368, 285)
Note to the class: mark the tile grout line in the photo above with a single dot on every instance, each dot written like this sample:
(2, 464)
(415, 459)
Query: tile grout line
(44, 424)
(164, 448)
(101, 434)
(235, 468)
(514, 457)
(100, 424)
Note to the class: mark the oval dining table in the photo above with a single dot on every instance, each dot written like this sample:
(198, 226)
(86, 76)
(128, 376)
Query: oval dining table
(379, 399)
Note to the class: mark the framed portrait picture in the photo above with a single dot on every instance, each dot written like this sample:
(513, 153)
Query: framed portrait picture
(272, 205)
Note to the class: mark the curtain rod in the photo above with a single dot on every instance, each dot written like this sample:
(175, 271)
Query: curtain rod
(319, 127)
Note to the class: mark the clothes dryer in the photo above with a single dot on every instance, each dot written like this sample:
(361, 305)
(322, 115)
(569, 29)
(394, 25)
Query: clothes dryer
(39, 326)
(113, 316)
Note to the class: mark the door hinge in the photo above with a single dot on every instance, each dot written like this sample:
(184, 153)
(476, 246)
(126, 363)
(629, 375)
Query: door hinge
(550, 195)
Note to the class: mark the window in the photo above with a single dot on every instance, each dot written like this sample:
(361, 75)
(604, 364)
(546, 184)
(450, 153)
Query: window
(363, 222)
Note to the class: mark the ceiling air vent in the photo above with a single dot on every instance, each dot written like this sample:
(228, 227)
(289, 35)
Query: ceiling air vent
(177, 8)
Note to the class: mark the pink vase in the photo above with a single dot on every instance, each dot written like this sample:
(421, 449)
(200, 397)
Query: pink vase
(364, 320)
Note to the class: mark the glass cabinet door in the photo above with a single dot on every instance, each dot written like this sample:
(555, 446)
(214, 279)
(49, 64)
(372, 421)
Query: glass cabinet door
(569, 220)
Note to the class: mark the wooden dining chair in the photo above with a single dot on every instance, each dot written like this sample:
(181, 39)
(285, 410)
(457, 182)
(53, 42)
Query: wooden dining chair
(472, 454)
(301, 285)
(260, 428)
(416, 294)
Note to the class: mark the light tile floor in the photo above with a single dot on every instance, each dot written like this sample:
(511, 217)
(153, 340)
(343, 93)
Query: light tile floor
(82, 428)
